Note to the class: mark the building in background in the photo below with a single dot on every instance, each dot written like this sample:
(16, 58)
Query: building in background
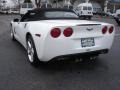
(6, 6)
(113, 5)
(98, 5)
(97, 9)
(3, 4)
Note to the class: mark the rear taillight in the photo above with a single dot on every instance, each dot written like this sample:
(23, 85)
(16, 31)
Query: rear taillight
(111, 29)
(55, 33)
(104, 30)
(68, 32)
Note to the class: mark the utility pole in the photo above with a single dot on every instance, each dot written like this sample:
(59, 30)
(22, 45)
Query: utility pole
(18, 5)
(114, 8)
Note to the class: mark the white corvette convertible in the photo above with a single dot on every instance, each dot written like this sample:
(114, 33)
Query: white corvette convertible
(57, 33)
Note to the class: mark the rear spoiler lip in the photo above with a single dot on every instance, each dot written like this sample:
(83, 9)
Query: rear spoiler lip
(88, 24)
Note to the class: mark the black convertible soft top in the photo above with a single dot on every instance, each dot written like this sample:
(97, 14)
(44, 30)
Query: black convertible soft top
(50, 13)
(38, 10)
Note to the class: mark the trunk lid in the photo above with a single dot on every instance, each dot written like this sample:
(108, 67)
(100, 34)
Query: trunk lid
(81, 28)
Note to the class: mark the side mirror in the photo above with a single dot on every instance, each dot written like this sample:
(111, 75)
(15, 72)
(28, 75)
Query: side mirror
(16, 20)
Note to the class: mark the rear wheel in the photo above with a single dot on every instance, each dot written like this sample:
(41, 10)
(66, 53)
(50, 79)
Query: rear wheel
(31, 51)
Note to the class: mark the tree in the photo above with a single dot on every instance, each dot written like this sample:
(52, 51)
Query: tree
(73, 1)
(37, 2)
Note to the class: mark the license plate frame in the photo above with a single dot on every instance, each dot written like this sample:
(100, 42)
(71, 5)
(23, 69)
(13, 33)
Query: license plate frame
(87, 42)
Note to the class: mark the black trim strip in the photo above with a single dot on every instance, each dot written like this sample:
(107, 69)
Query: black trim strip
(88, 24)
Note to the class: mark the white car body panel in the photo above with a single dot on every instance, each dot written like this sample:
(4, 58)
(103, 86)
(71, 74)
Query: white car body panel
(48, 47)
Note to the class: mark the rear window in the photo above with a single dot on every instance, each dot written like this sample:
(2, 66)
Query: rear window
(60, 14)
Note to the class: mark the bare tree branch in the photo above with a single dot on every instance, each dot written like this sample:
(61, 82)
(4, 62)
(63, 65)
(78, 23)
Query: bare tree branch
(37, 2)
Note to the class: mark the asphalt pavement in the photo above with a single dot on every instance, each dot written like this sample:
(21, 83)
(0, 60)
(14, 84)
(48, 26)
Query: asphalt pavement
(17, 74)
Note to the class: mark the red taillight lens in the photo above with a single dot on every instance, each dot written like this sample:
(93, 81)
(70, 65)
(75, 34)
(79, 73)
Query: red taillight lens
(111, 29)
(104, 30)
(55, 33)
(68, 32)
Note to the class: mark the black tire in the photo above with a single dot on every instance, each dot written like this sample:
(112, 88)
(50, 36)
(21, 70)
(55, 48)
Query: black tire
(89, 17)
(31, 53)
(118, 22)
(84, 17)
(12, 33)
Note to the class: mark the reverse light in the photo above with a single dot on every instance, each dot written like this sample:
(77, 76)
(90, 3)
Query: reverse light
(104, 30)
(55, 33)
(68, 32)
(111, 29)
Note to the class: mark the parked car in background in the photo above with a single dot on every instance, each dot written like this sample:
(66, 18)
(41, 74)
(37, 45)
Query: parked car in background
(4, 11)
(13, 11)
(117, 19)
(113, 14)
(25, 7)
(116, 13)
(84, 10)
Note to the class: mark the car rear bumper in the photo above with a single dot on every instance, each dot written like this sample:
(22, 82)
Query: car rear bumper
(81, 55)
(51, 54)
(61, 48)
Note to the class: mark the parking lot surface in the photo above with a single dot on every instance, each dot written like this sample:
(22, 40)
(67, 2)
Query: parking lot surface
(17, 74)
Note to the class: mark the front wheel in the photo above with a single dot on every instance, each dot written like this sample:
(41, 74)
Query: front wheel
(31, 51)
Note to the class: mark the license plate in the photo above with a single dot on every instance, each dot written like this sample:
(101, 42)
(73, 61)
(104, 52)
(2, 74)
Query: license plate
(87, 42)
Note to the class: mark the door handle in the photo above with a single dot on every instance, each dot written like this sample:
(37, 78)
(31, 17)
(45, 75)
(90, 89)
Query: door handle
(25, 25)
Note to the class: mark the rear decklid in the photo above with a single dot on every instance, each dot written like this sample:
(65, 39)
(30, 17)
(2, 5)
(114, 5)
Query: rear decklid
(81, 28)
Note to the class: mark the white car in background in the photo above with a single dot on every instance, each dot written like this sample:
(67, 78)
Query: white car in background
(49, 34)
(13, 11)
(25, 7)
(84, 10)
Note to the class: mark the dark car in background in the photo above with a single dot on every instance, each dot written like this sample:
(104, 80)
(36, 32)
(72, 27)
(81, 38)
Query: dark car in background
(117, 19)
